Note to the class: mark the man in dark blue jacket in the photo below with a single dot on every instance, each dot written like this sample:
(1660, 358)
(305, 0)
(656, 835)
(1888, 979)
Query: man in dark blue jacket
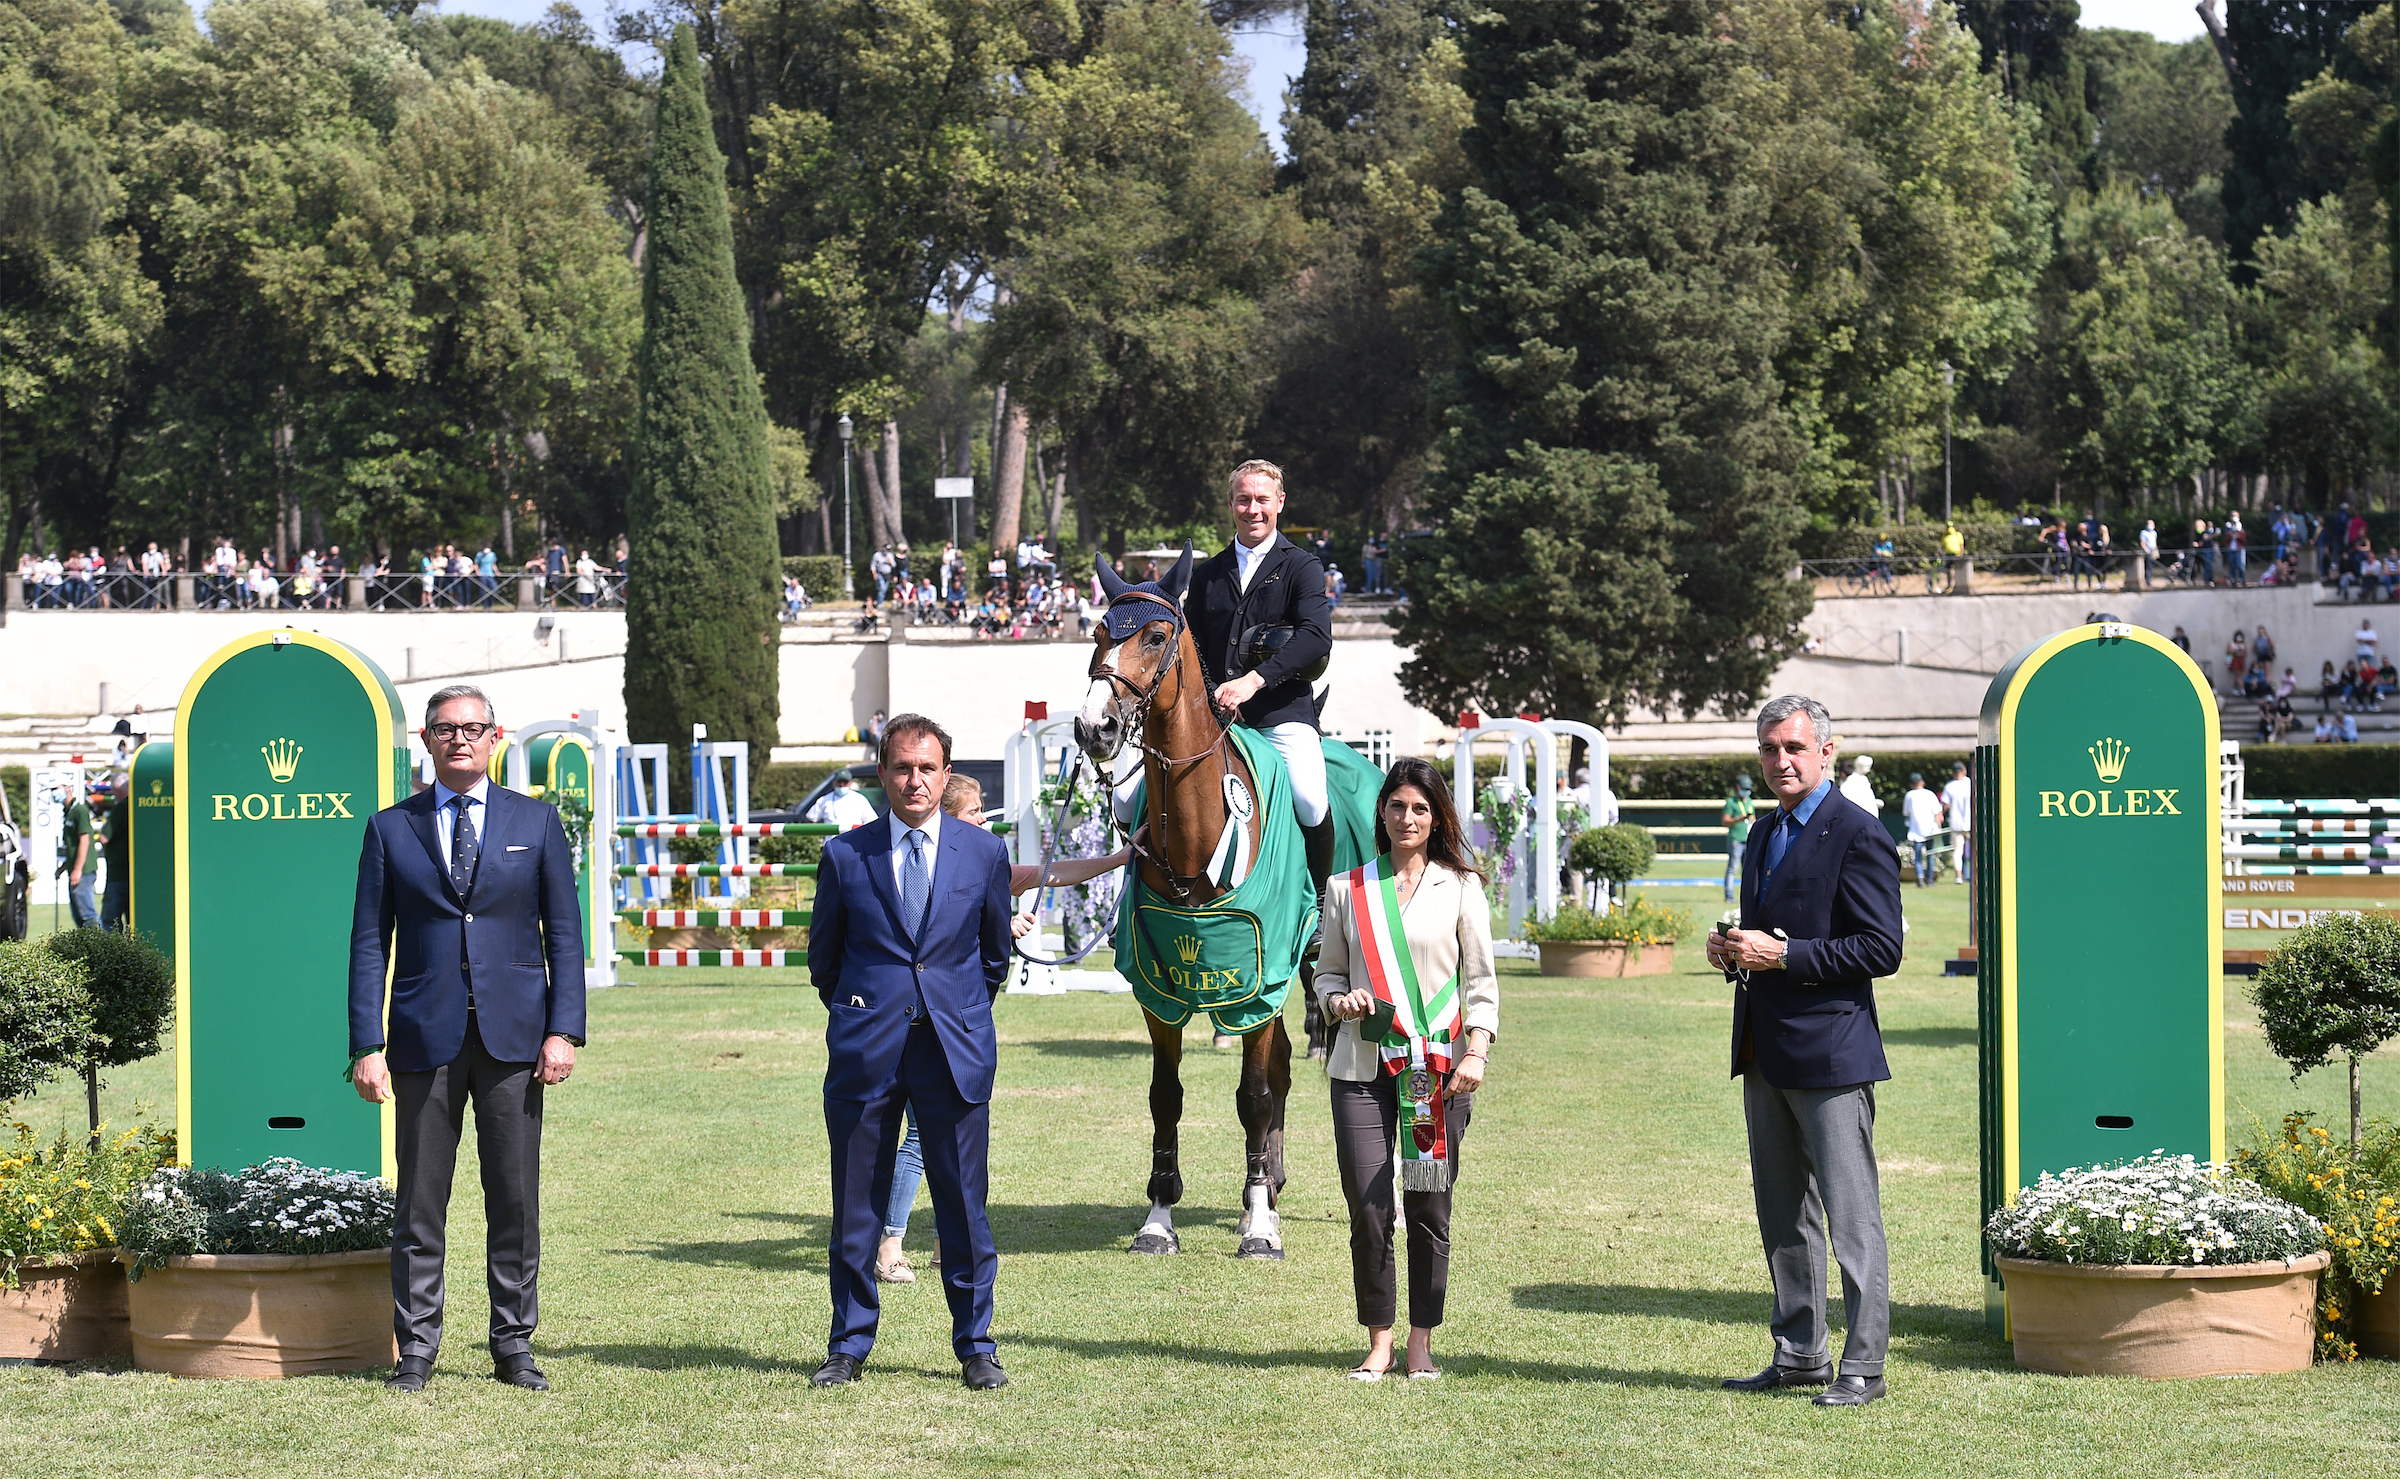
(1820, 920)
(907, 946)
(466, 908)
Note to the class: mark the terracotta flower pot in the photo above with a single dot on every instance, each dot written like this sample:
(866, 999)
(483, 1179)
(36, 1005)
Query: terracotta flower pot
(67, 1309)
(1605, 958)
(265, 1314)
(2163, 1320)
(2378, 1327)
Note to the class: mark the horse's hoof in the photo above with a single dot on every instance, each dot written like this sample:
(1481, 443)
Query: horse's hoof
(1258, 1248)
(1153, 1243)
(1224, 1041)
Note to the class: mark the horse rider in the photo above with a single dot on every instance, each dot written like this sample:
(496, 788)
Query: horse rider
(1264, 626)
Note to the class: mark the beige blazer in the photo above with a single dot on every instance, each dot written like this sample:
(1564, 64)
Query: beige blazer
(1449, 925)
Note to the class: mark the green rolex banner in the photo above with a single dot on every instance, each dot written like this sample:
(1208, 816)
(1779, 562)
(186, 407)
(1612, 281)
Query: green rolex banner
(285, 744)
(150, 844)
(1234, 958)
(2099, 951)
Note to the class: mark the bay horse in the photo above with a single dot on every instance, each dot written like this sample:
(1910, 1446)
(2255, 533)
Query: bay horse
(1148, 689)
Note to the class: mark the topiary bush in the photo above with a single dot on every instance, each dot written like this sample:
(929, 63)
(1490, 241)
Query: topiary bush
(45, 1017)
(2332, 989)
(132, 988)
(1618, 853)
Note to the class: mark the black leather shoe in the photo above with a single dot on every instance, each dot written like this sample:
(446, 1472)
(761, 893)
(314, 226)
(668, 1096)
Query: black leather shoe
(982, 1373)
(838, 1371)
(410, 1375)
(1850, 1391)
(1774, 1378)
(519, 1371)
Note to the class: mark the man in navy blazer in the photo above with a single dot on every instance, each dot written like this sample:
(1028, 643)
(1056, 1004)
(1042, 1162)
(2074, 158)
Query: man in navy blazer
(1820, 920)
(467, 919)
(907, 946)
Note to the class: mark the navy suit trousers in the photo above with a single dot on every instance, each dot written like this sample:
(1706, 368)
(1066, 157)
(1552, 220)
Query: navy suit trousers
(955, 1137)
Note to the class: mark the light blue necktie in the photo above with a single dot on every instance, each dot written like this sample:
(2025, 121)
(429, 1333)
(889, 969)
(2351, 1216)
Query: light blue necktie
(915, 889)
(915, 886)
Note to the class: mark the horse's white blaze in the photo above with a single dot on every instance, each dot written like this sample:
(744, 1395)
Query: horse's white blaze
(1261, 1218)
(1096, 700)
(1161, 1222)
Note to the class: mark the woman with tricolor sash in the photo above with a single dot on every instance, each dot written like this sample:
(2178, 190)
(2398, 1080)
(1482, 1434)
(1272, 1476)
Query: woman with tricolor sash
(1406, 969)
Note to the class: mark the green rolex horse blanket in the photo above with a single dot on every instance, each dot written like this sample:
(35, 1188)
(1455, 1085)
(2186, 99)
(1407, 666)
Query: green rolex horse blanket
(1233, 958)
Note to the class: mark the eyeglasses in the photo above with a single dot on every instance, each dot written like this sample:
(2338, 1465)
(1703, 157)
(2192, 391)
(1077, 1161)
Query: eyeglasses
(448, 732)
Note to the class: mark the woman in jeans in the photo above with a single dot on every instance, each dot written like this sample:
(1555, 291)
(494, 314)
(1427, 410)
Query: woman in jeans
(1406, 969)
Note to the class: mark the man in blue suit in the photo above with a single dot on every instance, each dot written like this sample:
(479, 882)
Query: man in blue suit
(907, 946)
(466, 907)
(1820, 921)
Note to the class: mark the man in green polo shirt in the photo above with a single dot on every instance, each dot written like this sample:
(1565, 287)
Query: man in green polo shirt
(1737, 833)
(77, 840)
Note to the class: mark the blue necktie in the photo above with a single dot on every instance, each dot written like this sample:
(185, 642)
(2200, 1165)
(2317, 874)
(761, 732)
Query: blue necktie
(1779, 838)
(916, 887)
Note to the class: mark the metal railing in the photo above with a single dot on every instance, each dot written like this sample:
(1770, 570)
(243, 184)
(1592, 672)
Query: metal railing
(1933, 575)
(207, 590)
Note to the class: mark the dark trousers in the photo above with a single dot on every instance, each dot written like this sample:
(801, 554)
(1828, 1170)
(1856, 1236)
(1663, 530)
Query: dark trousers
(508, 1141)
(955, 1138)
(1812, 1178)
(1366, 1127)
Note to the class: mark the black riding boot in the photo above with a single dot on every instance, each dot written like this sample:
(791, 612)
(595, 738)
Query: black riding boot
(1320, 868)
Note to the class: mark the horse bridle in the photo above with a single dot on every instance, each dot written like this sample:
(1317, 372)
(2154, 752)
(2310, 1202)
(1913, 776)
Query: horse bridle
(1183, 886)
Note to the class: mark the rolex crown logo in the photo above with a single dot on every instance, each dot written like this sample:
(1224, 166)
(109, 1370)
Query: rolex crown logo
(283, 758)
(1188, 946)
(2108, 758)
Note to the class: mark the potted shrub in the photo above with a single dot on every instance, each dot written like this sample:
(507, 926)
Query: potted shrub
(2162, 1266)
(132, 988)
(277, 1270)
(1636, 938)
(2346, 1188)
(45, 1017)
(62, 1292)
(2332, 989)
(1616, 854)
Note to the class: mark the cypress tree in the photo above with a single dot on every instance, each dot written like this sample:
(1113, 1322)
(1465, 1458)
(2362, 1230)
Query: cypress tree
(1616, 500)
(700, 628)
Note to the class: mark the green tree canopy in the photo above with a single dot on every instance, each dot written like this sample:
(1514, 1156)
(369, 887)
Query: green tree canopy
(1611, 421)
(700, 629)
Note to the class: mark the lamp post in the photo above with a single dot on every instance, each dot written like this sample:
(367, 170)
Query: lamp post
(1949, 393)
(843, 426)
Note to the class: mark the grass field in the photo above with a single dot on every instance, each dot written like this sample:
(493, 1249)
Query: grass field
(1607, 1275)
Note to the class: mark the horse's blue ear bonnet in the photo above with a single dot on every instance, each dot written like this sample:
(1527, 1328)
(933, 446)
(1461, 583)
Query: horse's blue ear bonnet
(1138, 607)
(1132, 607)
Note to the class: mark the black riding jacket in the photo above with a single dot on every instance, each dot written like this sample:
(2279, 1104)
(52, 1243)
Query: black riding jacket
(1287, 590)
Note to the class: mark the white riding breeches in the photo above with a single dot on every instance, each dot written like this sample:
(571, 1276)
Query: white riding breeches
(1303, 756)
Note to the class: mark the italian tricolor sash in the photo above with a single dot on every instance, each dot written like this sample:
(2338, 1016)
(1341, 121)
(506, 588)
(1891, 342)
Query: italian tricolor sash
(1424, 1028)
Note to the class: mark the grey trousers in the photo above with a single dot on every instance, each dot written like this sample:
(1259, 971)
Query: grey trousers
(1812, 1171)
(1366, 1128)
(508, 1142)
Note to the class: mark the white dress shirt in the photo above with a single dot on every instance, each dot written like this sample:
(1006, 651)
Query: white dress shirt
(1245, 559)
(933, 838)
(445, 814)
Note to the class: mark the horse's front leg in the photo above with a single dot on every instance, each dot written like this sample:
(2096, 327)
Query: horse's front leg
(1157, 1234)
(1256, 1101)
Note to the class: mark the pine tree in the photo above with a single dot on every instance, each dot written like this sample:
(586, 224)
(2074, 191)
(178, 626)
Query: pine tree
(700, 631)
(1616, 502)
